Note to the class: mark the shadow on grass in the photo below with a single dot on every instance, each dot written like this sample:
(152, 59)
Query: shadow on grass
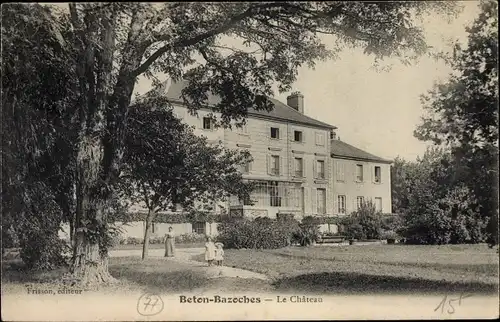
(354, 283)
(158, 275)
(14, 271)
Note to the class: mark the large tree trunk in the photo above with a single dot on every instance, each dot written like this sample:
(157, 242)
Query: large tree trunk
(147, 234)
(103, 116)
(90, 260)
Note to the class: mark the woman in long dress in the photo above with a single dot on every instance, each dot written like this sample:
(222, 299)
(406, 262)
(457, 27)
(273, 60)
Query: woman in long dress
(169, 243)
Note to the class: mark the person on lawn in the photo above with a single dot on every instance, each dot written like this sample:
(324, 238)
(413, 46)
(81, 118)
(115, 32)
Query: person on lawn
(169, 243)
(209, 251)
(219, 254)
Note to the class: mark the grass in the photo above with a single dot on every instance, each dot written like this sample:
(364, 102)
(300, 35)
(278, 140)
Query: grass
(156, 275)
(375, 269)
(156, 246)
(391, 269)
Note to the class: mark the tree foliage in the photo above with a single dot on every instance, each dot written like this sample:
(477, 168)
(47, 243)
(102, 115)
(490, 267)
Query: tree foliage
(436, 207)
(37, 123)
(463, 113)
(164, 168)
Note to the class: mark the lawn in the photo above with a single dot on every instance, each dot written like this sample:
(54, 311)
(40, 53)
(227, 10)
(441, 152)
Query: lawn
(380, 269)
(393, 269)
(155, 275)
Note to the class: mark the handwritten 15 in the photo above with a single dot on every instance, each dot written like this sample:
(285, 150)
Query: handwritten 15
(448, 303)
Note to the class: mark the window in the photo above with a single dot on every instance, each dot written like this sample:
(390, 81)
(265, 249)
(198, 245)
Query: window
(377, 175)
(199, 227)
(321, 198)
(297, 136)
(320, 139)
(360, 201)
(275, 165)
(359, 173)
(320, 169)
(207, 123)
(274, 194)
(299, 166)
(341, 204)
(340, 171)
(245, 168)
(275, 133)
(378, 204)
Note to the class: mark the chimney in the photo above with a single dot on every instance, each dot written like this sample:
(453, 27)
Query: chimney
(296, 101)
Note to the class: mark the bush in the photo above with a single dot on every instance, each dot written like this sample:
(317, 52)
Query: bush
(191, 238)
(40, 251)
(308, 231)
(448, 220)
(132, 241)
(9, 238)
(156, 240)
(261, 233)
(389, 234)
(366, 223)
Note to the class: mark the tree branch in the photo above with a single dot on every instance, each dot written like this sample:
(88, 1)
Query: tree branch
(251, 11)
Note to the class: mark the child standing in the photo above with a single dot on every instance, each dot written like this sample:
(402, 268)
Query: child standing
(209, 251)
(219, 253)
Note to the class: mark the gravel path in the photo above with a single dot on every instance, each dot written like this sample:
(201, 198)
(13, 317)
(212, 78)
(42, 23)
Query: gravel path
(184, 255)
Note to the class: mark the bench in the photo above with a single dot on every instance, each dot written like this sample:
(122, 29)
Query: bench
(331, 239)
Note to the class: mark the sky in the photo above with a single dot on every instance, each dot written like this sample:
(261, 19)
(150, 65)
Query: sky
(376, 111)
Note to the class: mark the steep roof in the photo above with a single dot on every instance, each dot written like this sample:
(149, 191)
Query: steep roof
(281, 111)
(344, 150)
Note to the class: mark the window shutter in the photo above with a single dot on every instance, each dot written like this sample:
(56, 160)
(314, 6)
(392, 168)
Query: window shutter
(315, 173)
(373, 173)
(281, 170)
(304, 169)
(305, 199)
(328, 201)
(314, 202)
(303, 136)
(268, 164)
(342, 168)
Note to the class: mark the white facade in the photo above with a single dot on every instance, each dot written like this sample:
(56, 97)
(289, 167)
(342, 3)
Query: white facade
(294, 167)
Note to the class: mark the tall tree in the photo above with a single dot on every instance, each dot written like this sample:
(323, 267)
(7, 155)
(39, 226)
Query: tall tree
(38, 144)
(463, 113)
(162, 168)
(118, 42)
(438, 208)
